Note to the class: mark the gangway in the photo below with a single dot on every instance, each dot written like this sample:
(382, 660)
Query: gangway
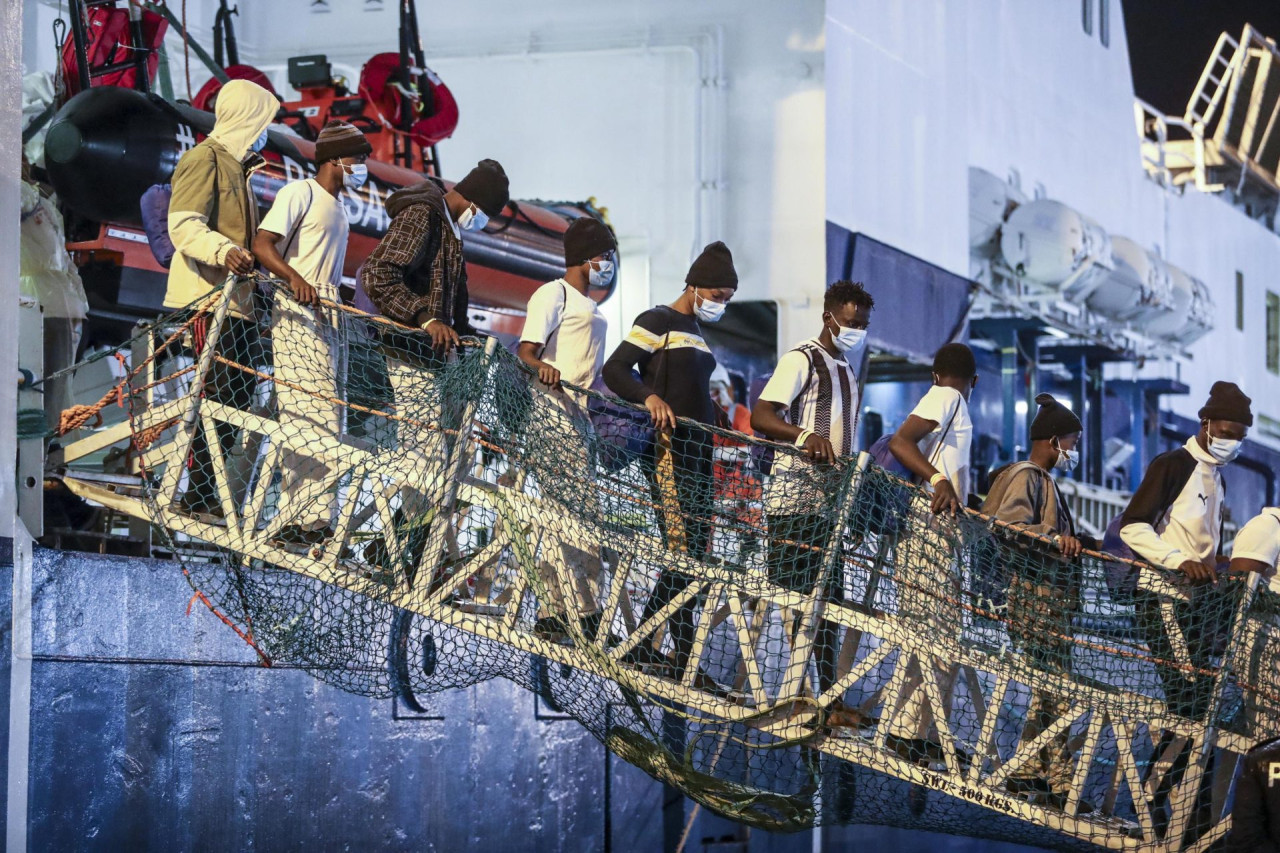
(467, 507)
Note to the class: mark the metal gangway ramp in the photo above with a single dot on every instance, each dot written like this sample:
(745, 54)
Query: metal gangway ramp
(873, 664)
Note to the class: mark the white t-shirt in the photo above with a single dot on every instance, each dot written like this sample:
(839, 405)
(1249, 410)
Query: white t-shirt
(319, 248)
(571, 329)
(820, 392)
(1260, 540)
(949, 409)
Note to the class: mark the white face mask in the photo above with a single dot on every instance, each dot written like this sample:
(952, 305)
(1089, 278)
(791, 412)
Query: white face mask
(847, 339)
(1067, 460)
(473, 219)
(707, 310)
(601, 277)
(260, 143)
(1224, 449)
(355, 178)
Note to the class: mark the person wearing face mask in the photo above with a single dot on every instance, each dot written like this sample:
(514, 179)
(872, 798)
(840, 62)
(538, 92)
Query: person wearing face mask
(666, 346)
(1175, 520)
(564, 331)
(303, 242)
(212, 219)
(933, 444)
(416, 274)
(563, 339)
(1045, 594)
(811, 401)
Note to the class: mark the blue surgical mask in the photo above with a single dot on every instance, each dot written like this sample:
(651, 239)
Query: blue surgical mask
(1067, 460)
(846, 339)
(473, 219)
(260, 144)
(1224, 449)
(602, 276)
(354, 179)
(708, 310)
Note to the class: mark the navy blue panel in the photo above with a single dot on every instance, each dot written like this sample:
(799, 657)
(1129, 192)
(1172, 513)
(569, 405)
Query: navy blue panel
(919, 306)
(839, 252)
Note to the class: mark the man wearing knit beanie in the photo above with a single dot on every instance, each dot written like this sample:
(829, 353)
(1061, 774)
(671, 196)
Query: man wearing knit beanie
(563, 338)
(1043, 598)
(416, 274)
(303, 243)
(1175, 520)
(674, 363)
(338, 140)
(485, 187)
(563, 335)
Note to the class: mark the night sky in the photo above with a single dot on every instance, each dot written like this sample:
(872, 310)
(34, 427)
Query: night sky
(1170, 42)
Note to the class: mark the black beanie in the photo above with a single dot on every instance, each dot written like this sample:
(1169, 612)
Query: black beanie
(1227, 403)
(586, 238)
(486, 187)
(713, 268)
(338, 139)
(1053, 420)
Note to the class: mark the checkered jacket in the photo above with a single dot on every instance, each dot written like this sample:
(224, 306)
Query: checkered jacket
(417, 271)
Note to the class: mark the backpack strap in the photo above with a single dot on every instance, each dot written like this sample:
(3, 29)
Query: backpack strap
(564, 306)
(808, 379)
(297, 225)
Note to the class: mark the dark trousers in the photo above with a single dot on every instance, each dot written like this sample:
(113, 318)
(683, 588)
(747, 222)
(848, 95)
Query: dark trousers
(686, 500)
(1204, 622)
(797, 561)
(240, 343)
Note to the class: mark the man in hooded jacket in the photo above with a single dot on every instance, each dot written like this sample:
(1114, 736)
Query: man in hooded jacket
(416, 274)
(1044, 592)
(212, 219)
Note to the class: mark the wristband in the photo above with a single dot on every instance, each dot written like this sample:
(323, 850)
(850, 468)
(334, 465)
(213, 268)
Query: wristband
(803, 437)
(429, 322)
(933, 481)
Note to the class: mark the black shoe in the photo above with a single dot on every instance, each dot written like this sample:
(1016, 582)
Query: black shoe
(589, 625)
(650, 662)
(1027, 785)
(297, 536)
(203, 512)
(552, 628)
(914, 749)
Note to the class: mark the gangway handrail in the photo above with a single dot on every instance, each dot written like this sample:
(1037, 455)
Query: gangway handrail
(739, 596)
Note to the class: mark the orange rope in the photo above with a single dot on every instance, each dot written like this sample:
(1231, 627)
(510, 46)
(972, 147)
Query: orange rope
(78, 416)
(200, 596)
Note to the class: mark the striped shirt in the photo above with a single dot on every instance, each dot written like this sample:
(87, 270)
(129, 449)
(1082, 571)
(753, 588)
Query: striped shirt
(819, 392)
(674, 362)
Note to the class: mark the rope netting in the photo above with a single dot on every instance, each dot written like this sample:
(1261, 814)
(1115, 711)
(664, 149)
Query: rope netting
(809, 646)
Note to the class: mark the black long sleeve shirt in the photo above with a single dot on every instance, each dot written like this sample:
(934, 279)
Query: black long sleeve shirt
(673, 361)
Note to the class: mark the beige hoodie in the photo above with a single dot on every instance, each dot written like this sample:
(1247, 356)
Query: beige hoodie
(212, 209)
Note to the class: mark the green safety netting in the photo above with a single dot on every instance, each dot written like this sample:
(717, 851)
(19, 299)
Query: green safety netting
(808, 646)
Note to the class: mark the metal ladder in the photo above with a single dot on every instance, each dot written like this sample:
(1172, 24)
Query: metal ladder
(1214, 80)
